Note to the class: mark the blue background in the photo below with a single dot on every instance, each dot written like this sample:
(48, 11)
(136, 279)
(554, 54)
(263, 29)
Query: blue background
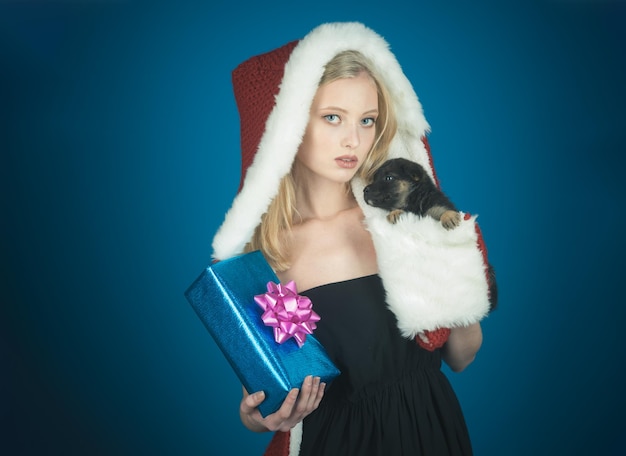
(120, 156)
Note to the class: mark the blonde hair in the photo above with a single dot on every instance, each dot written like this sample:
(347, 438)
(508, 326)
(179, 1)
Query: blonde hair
(271, 235)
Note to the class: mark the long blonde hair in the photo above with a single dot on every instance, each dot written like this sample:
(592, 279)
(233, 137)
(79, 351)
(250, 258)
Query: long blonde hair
(271, 235)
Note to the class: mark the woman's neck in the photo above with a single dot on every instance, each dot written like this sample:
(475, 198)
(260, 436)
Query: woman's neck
(318, 197)
(323, 200)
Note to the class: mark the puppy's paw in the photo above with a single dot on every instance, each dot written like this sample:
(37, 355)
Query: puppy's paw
(450, 219)
(394, 215)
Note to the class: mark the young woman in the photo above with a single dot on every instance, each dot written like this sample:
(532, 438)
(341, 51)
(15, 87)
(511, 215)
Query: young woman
(318, 116)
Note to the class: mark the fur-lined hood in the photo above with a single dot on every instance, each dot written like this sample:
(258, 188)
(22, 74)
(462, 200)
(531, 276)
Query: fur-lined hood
(287, 122)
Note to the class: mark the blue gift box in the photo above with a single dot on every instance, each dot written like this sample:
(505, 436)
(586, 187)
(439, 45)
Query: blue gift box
(223, 298)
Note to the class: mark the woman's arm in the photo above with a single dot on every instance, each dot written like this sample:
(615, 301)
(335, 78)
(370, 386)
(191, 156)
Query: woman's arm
(297, 405)
(462, 345)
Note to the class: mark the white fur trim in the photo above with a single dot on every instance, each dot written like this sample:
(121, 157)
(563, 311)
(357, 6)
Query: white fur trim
(433, 277)
(295, 439)
(287, 122)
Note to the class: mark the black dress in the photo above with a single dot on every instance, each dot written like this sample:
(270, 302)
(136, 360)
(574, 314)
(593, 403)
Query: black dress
(391, 397)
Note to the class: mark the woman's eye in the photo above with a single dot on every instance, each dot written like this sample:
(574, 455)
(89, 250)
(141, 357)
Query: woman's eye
(368, 122)
(332, 118)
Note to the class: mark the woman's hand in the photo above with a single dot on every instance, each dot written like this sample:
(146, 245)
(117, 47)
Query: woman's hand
(297, 405)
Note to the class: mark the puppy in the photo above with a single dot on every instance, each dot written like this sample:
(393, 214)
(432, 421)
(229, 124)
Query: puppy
(401, 185)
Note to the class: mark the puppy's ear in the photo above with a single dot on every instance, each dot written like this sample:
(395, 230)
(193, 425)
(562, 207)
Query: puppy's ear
(414, 171)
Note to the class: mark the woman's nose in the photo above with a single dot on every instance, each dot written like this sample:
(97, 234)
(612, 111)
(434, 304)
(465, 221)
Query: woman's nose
(351, 137)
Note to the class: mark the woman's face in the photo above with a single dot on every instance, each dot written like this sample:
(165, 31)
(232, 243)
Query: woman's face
(341, 128)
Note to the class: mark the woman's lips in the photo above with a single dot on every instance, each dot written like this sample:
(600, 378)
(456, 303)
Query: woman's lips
(347, 161)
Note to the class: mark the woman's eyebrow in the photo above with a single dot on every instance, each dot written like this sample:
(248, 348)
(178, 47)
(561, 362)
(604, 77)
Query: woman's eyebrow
(337, 108)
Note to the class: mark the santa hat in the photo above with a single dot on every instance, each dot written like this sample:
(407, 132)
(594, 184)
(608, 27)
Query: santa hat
(433, 278)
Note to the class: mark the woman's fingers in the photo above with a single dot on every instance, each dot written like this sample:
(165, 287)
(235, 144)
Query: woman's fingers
(252, 401)
(249, 412)
(282, 419)
(299, 403)
(305, 394)
(286, 410)
(310, 389)
(320, 395)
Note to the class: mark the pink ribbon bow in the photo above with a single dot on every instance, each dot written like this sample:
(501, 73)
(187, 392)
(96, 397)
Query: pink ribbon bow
(290, 314)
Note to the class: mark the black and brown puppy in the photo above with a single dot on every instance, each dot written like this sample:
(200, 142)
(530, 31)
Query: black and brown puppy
(401, 185)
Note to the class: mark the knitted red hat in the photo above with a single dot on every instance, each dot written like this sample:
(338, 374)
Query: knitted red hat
(255, 83)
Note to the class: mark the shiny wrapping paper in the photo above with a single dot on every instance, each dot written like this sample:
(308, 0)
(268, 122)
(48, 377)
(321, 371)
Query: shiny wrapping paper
(223, 297)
